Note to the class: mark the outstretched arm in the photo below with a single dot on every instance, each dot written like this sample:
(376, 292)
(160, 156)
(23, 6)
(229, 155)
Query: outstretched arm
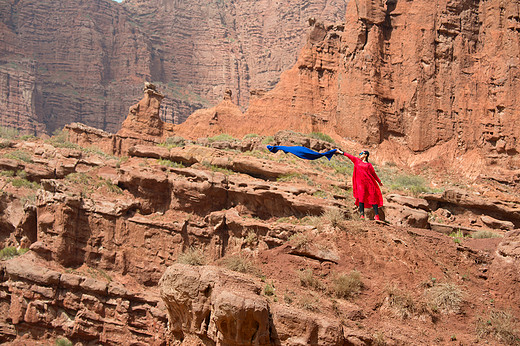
(352, 158)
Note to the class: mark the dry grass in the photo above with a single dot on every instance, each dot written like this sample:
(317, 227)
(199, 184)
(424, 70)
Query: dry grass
(192, 256)
(241, 264)
(446, 298)
(309, 303)
(347, 285)
(485, 234)
(307, 279)
(299, 240)
(499, 325)
(402, 304)
(334, 216)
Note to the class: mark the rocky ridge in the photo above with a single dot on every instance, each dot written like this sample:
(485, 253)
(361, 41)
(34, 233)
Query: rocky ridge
(418, 81)
(108, 230)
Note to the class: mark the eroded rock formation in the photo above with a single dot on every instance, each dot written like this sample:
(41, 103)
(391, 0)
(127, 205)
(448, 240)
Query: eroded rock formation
(437, 79)
(67, 62)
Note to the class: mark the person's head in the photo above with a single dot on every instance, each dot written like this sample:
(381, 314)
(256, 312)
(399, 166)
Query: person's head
(364, 155)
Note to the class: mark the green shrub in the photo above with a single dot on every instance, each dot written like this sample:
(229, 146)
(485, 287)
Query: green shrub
(223, 137)
(8, 133)
(21, 182)
(60, 139)
(172, 142)
(499, 325)
(321, 136)
(268, 140)
(269, 289)
(192, 256)
(347, 285)
(10, 252)
(251, 135)
(63, 342)
(169, 163)
(19, 155)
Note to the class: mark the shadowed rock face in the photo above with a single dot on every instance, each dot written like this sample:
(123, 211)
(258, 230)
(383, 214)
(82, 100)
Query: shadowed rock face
(63, 62)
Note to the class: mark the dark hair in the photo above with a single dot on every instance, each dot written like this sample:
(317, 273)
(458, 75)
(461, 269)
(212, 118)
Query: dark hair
(366, 152)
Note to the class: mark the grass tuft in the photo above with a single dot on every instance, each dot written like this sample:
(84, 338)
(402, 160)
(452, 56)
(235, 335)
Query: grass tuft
(192, 256)
(334, 217)
(347, 285)
(499, 325)
(445, 297)
(485, 234)
(307, 279)
(241, 264)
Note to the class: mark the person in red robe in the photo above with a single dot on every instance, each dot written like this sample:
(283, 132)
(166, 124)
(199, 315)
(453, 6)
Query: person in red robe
(365, 183)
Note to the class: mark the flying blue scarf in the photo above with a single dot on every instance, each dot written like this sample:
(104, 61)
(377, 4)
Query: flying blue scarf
(301, 152)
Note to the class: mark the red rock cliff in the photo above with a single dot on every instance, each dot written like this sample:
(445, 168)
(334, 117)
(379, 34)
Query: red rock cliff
(63, 62)
(420, 74)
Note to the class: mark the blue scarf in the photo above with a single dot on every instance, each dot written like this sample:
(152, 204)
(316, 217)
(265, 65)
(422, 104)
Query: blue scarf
(301, 152)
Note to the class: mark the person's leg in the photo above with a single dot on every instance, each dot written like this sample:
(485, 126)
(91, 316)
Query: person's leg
(362, 209)
(376, 211)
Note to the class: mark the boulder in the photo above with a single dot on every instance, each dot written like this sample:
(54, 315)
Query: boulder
(402, 215)
(412, 202)
(216, 303)
(497, 224)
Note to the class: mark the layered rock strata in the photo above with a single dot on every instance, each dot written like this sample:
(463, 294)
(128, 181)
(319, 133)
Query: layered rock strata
(414, 77)
(67, 62)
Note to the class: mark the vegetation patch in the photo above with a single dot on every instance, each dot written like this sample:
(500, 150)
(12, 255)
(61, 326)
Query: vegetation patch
(309, 303)
(192, 256)
(321, 136)
(307, 279)
(173, 142)
(269, 289)
(499, 325)
(223, 137)
(19, 155)
(241, 264)
(60, 139)
(402, 304)
(168, 163)
(347, 285)
(299, 240)
(445, 297)
(268, 140)
(485, 234)
(10, 252)
(8, 133)
(334, 216)
(63, 342)
(24, 183)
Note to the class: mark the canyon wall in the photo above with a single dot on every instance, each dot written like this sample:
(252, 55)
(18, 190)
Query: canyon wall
(63, 62)
(418, 76)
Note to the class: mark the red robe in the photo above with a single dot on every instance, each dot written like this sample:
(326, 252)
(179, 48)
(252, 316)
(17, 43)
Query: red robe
(365, 183)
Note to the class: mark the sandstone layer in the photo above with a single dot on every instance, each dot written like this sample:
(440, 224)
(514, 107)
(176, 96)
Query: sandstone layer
(438, 79)
(64, 62)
